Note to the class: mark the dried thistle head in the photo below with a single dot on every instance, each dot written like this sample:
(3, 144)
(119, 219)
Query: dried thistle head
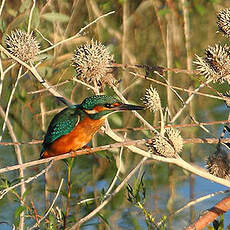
(92, 64)
(223, 21)
(175, 138)
(215, 65)
(22, 45)
(151, 99)
(161, 147)
(218, 164)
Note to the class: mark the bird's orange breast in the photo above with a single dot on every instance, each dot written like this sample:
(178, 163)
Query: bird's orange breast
(76, 139)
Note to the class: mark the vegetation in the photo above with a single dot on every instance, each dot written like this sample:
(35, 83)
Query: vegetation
(140, 172)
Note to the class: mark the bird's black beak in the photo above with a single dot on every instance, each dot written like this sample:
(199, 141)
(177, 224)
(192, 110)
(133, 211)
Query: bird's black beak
(129, 107)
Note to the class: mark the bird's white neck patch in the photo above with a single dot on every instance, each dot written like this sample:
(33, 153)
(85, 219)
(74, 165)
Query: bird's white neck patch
(92, 111)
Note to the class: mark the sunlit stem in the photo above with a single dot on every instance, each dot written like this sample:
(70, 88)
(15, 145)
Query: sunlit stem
(10, 100)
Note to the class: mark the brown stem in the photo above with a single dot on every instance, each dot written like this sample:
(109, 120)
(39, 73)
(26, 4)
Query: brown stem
(210, 215)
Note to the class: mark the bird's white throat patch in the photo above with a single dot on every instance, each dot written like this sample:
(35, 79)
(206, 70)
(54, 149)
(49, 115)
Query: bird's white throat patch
(92, 111)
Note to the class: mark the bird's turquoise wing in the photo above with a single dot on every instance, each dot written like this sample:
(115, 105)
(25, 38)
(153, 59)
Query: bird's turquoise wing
(62, 124)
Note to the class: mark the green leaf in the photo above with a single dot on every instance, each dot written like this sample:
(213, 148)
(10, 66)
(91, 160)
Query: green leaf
(163, 12)
(26, 193)
(2, 25)
(12, 12)
(104, 219)
(35, 18)
(200, 9)
(24, 6)
(51, 222)
(56, 17)
(18, 211)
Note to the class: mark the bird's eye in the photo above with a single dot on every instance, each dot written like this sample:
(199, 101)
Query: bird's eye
(108, 105)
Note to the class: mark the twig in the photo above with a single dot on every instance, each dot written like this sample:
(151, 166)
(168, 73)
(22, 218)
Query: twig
(119, 144)
(10, 100)
(51, 206)
(195, 201)
(19, 159)
(78, 34)
(210, 215)
(117, 173)
(5, 191)
(73, 154)
(51, 86)
(177, 161)
(105, 202)
(69, 185)
(191, 140)
(179, 88)
(3, 73)
(136, 113)
(2, 5)
(83, 83)
(33, 70)
(188, 101)
(44, 37)
(31, 15)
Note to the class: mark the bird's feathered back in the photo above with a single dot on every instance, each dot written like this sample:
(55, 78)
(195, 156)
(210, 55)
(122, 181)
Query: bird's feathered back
(62, 124)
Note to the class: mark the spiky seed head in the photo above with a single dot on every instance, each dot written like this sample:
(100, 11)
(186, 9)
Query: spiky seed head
(218, 164)
(223, 21)
(22, 45)
(92, 63)
(151, 99)
(215, 65)
(161, 146)
(175, 138)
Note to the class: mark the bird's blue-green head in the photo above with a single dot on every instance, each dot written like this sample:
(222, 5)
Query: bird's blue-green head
(100, 106)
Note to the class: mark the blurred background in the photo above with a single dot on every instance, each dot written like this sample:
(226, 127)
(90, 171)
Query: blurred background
(145, 32)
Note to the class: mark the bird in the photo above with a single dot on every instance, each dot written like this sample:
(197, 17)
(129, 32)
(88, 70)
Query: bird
(74, 127)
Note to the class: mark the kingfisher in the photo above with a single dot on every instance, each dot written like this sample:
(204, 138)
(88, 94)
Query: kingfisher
(74, 127)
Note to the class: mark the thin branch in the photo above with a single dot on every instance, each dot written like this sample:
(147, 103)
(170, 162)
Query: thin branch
(1, 7)
(193, 202)
(33, 70)
(78, 34)
(30, 17)
(105, 202)
(44, 37)
(188, 101)
(179, 88)
(191, 140)
(19, 159)
(51, 206)
(198, 200)
(5, 191)
(9, 102)
(119, 94)
(210, 215)
(117, 173)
